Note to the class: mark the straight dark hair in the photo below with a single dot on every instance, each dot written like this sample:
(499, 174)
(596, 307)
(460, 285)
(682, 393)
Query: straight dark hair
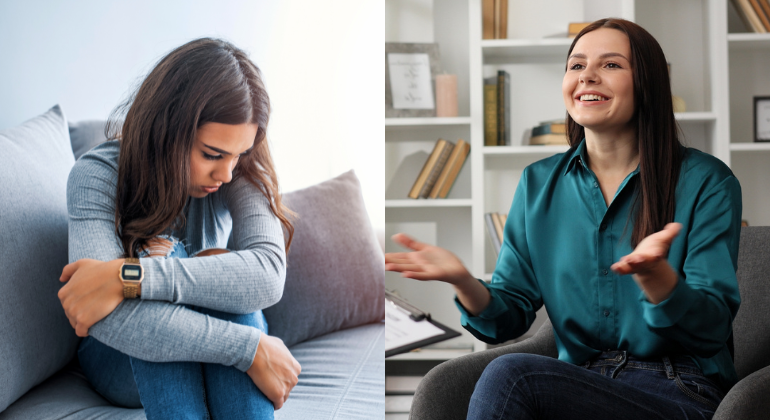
(657, 133)
(205, 80)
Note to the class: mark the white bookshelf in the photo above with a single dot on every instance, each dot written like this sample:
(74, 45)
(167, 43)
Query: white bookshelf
(716, 67)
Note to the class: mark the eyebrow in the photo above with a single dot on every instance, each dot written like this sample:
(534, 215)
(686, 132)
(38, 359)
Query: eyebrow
(225, 152)
(605, 55)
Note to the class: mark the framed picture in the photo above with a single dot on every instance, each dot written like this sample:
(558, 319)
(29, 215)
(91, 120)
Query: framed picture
(762, 118)
(410, 80)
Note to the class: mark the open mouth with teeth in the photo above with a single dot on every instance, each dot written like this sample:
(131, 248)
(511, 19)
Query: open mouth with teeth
(590, 98)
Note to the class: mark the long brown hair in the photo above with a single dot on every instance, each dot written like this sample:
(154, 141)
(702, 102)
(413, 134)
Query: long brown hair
(657, 133)
(205, 80)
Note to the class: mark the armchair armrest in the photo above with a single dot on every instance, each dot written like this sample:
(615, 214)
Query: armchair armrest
(445, 392)
(748, 399)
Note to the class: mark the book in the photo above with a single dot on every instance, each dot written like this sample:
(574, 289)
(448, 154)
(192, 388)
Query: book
(766, 8)
(739, 10)
(431, 170)
(575, 28)
(761, 14)
(501, 19)
(550, 128)
(499, 226)
(549, 139)
(492, 231)
(503, 108)
(487, 19)
(490, 111)
(452, 167)
(745, 9)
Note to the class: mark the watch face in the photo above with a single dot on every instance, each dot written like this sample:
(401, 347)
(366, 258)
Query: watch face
(131, 273)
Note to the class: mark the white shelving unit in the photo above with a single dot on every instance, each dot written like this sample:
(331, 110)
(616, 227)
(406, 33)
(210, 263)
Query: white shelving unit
(716, 68)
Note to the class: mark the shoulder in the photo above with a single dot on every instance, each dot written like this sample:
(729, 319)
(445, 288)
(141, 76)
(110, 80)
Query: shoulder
(545, 169)
(241, 192)
(704, 170)
(95, 171)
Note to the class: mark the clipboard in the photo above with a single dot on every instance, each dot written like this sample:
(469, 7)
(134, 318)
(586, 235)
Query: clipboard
(408, 328)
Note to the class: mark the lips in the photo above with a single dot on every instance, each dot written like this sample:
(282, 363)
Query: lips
(590, 97)
(209, 190)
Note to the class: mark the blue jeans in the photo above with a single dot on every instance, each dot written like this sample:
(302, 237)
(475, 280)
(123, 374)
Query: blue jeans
(177, 390)
(611, 386)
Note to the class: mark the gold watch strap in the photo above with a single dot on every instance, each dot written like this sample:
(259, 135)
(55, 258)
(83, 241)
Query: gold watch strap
(130, 289)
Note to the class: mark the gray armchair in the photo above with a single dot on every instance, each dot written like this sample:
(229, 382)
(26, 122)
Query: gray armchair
(446, 390)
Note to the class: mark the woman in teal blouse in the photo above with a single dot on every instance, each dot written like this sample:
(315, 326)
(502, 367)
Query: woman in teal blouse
(629, 239)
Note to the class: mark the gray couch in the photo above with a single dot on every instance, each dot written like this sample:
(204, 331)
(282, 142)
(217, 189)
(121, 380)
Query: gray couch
(330, 315)
(446, 390)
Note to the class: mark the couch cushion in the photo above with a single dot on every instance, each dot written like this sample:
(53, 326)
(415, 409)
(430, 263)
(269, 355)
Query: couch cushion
(343, 376)
(84, 135)
(37, 339)
(336, 269)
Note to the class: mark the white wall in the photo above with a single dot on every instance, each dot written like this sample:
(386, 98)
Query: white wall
(322, 62)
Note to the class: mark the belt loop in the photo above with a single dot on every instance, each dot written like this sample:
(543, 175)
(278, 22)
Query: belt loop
(669, 367)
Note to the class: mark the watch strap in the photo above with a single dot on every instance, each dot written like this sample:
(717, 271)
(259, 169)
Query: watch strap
(131, 288)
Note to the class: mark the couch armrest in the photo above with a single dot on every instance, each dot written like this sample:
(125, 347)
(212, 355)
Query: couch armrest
(748, 399)
(445, 392)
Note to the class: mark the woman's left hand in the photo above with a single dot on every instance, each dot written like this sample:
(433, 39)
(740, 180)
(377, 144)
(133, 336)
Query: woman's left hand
(649, 266)
(92, 292)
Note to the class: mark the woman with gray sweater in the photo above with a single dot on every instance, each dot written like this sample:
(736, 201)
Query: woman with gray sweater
(187, 174)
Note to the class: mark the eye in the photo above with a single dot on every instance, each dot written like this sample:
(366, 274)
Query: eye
(211, 157)
(614, 65)
(576, 66)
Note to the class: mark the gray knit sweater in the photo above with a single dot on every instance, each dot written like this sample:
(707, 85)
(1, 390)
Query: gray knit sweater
(157, 327)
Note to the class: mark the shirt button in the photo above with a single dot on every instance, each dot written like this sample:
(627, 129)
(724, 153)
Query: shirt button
(603, 226)
(596, 184)
(605, 272)
(606, 313)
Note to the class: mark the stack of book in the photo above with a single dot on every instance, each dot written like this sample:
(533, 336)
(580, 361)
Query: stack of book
(494, 19)
(495, 225)
(755, 14)
(550, 133)
(497, 106)
(440, 170)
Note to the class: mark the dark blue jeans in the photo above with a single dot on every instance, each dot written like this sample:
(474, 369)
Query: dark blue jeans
(612, 386)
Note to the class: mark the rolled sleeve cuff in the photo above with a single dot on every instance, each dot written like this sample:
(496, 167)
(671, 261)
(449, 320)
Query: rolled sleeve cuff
(250, 350)
(485, 322)
(668, 312)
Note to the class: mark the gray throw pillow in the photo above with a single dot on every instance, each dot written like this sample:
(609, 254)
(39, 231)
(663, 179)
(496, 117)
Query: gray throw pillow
(85, 135)
(37, 339)
(335, 278)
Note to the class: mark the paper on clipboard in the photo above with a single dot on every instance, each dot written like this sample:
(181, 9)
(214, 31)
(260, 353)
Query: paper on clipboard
(401, 329)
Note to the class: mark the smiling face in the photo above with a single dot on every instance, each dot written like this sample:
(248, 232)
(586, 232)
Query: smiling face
(598, 87)
(215, 153)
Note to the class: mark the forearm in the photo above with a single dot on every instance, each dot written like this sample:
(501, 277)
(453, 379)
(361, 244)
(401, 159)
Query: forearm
(163, 332)
(472, 295)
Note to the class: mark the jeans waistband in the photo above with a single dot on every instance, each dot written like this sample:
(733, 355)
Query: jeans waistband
(670, 365)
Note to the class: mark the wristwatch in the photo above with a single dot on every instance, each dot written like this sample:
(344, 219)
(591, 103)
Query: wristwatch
(131, 274)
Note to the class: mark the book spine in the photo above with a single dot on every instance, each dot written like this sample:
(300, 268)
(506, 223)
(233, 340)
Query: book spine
(501, 108)
(499, 223)
(490, 113)
(492, 232)
(436, 170)
(761, 14)
(451, 170)
(549, 129)
(503, 32)
(766, 7)
(506, 86)
(426, 169)
(738, 9)
(487, 19)
(756, 24)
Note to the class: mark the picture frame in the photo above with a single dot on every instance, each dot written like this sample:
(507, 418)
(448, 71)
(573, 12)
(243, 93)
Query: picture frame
(762, 118)
(410, 79)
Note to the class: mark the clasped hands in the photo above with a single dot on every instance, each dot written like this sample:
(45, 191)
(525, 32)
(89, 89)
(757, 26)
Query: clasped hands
(93, 290)
(647, 263)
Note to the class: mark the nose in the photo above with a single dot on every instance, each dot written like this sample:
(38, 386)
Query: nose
(223, 172)
(588, 75)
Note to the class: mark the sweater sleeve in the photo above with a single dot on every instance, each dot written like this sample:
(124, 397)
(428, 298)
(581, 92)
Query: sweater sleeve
(150, 330)
(241, 282)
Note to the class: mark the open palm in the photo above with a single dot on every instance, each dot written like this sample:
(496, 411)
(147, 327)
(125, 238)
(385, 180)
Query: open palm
(649, 253)
(425, 262)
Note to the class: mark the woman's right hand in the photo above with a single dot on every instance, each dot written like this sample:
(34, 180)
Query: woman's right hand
(426, 262)
(274, 371)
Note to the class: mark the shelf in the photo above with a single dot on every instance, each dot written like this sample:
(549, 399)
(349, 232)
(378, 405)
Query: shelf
(695, 116)
(750, 147)
(431, 121)
(524, 150)
(546, 50)
(424, 203)
(748, 41)
(431, 354)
